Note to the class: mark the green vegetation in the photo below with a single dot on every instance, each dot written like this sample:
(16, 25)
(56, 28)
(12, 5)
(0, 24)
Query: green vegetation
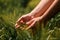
(11, 10)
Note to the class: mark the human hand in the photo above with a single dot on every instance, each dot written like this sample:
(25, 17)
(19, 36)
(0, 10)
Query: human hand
(23, 19)
(33, 21)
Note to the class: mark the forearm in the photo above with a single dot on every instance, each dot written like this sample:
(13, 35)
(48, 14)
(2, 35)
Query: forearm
(51, 10)
(41, 8)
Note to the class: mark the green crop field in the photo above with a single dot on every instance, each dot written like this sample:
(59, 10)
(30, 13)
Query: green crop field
(11, 10)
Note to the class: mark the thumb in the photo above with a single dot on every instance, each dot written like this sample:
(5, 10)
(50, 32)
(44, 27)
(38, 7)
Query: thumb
(30, 25)
(30, 22)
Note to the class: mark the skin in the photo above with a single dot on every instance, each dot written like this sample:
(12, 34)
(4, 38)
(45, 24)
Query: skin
(40, 12)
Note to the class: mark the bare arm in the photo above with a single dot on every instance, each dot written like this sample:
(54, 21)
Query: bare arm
(41, 12)
(51, 9)
(41, 7)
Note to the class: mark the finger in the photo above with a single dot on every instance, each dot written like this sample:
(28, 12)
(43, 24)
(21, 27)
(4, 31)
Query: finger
(16, 25)
(30, 25)
(21, 18)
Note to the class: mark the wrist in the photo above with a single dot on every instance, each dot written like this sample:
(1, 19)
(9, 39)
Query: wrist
(32, 15)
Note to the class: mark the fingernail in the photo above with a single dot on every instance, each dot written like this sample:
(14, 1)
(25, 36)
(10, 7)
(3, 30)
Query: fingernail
(16, 26)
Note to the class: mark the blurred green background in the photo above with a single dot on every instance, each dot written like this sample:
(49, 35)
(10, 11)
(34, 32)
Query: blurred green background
(11, 10)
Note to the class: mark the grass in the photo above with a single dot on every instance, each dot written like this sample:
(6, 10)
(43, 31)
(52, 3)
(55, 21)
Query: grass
(50, 31)
(41, 32)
